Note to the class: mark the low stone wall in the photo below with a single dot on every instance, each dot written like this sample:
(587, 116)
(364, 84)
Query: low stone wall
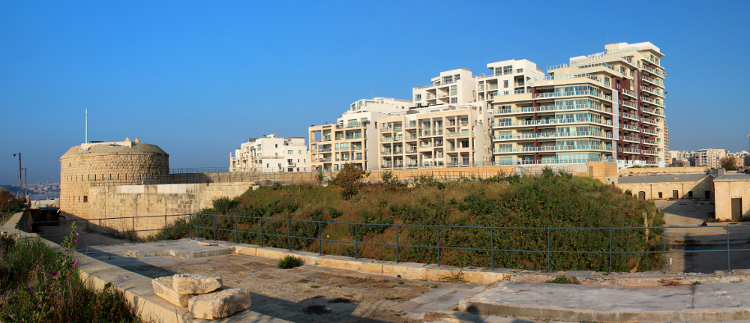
(664, 170)
(150, 203)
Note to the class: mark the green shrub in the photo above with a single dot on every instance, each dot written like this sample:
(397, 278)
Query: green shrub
(564, 280)
(350, 178)
(333, 213)
(289, 262)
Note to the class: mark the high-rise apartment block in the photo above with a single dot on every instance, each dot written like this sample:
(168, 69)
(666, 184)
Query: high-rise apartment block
(271, 154)
(709, 157)
(607, 106)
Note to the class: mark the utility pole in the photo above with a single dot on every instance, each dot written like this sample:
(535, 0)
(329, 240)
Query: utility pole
(20, 178)
(25, 183)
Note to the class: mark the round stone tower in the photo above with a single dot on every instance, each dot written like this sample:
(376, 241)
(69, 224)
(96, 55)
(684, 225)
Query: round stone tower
(107, 163)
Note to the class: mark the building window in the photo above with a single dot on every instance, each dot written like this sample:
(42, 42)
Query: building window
(454, 89)
(300, 152)
(454, 100)
(290, 152)
(659, 194)
(85, 199)
(690, 194)
(520, 70)
(457, 77)
(418, 97)
(508, 69)
(498, 71)
(277, 145)
(505, 83)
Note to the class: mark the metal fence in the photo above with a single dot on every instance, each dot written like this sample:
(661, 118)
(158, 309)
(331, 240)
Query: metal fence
(196, 229)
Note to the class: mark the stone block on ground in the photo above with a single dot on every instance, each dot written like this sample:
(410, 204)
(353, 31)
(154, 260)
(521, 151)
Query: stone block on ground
(195, 284)
(163, 288)
(219, 304)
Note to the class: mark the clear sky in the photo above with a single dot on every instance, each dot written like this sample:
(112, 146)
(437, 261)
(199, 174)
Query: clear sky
(199, 78)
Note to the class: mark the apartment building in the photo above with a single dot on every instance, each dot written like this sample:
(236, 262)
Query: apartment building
(436, 136)
(709, 157)
(680, 157)
(271, 154)
(604, 106)
(741, 158)
(349, 139)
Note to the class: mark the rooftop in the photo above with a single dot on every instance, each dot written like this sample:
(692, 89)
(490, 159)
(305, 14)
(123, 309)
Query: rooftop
(733, 177)
(114, 148)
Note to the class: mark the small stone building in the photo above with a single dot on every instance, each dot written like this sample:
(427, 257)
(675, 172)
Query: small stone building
(732, 196)
(662, 187)
(107, 163)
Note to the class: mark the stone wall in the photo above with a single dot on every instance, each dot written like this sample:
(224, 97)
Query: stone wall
(664, 170)
(726, 190)
(652, 190)
(150, 203)
(77, 173)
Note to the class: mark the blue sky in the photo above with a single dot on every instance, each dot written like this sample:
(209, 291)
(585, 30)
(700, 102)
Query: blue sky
(199, 78)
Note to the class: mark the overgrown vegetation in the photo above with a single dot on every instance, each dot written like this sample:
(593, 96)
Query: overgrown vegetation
(350, 179)
(9, 205)
(564, 280)
(289, 262)
(505, 201)
(38, 284)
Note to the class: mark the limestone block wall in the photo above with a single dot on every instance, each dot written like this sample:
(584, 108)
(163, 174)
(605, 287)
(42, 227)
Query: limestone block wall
(726, 190)
(652, 190)
(150, 203)
(665, 170)
(79, 172)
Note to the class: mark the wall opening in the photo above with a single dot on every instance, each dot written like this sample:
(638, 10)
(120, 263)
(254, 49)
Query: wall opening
(641, 195)
(660, 196)
(690, 194)
(675, 194)
(85, 199)
(736, 209)
(708, 195)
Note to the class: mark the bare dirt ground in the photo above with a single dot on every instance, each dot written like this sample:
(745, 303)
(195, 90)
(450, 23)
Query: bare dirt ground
(303, 294)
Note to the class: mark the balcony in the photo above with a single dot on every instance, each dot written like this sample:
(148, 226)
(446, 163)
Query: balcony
(652, 101)
(629, 150)
(571, 93)
(324, 150)
(652, 111)
(631, 128)
(650, 132)
(652, 91)
(652, 81)
(549, 149)
(649, 121)
(553, 135)
(411, 150)
(631, 139)
(630, 93)
(385, 153)
(411, 137)
(631, 116)
(650, 142)
(629, 104)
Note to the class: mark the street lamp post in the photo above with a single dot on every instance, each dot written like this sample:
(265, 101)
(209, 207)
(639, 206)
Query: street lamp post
(20, 177)
(25, 182)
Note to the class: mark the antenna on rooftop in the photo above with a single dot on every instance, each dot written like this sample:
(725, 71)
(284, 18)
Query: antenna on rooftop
(86, 131)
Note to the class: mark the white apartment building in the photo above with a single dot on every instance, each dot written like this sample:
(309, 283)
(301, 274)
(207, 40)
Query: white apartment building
(435, 136)
(271, 154)
(709, 157)
(348, 140)
(605, 106)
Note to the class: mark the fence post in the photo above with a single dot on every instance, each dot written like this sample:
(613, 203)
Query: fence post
(548, 248)
(261, 232)
(166, 229)
(236, 239)
(729, 263)
(492, 248)
(320, 241)
(100, 231)
(664, 244)
(438, 244)
(356, 251)
(214, 216)
(610, 250)
(190, 225)
(289, 234)
(397, 250)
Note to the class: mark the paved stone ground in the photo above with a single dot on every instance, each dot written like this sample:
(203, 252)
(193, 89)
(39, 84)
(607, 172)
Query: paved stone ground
(712, 237)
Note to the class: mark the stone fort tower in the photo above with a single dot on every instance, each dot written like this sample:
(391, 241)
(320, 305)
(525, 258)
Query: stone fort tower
(107, 163)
